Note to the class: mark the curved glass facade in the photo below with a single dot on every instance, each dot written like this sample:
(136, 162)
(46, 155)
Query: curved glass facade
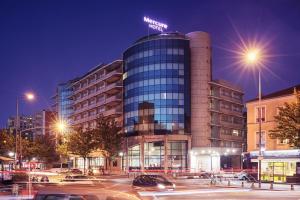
(157, 86)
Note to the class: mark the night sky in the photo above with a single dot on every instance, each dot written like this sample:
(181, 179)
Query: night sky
(43, 43)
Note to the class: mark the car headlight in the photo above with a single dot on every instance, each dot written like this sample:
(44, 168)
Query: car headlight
(161, 186)
(174, 186)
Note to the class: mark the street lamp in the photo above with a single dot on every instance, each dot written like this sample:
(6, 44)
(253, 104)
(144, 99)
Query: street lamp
(121, 154)
(253, 58)
(29, 96)
(11, 154)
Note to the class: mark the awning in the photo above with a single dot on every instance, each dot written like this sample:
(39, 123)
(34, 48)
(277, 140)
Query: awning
(278, 160)
(5, 159)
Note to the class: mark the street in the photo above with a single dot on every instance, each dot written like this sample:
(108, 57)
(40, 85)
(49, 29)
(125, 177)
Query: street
(121, 189)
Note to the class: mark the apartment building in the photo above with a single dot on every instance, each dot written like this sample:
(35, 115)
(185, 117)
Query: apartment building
(100, 91)
(44, 122)
(279, 159)
(25, 126)
(227, 122)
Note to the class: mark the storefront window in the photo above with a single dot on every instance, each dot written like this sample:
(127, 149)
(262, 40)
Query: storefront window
(154, 155)
(177, 151)
(277, 171)
(134, 157)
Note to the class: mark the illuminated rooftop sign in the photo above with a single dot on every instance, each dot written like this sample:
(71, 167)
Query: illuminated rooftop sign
(155, 24)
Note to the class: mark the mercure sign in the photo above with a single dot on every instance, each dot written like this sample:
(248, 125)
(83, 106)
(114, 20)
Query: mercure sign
(155, 24)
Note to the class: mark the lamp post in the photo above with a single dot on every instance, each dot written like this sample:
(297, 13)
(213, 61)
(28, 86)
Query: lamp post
(252, 58)
(29, 97)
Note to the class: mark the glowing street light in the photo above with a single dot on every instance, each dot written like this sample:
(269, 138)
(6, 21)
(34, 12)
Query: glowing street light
(253, 57)
(11, 154)
(29, 96)
(61, 126)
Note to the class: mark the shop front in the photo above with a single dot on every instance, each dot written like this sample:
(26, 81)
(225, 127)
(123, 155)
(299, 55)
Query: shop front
(160, 154)
(277, 165)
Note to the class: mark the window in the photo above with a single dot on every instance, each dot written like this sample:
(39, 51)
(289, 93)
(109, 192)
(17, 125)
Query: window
(263, 139)
(260, 112)
(235, 132)
(282, 141)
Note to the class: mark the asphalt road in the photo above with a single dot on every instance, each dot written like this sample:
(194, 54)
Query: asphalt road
(120, 189)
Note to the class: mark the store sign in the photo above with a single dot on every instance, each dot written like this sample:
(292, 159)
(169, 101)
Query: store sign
(277, 153)
(155, 25)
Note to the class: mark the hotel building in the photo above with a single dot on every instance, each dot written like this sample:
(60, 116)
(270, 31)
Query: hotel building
(175, 116)
(279, 159)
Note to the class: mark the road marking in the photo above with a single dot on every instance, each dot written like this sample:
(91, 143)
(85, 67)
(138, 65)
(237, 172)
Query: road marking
(189, 192)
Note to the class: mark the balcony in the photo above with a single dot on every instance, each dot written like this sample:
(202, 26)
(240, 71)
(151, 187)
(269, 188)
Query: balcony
(113, 112)
(113, 88)
(109, 77)
(113, 100)
(113, 76)
(110, 89)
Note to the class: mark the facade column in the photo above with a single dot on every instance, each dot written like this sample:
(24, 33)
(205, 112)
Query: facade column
(189, 148)
(166, 154)
(142, 154)
(127, 157)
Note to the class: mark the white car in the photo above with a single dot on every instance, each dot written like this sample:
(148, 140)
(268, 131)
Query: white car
(241, 176)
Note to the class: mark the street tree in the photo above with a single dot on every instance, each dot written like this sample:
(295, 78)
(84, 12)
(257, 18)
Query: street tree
(108, 138)
(288, 124)
(42, 147)
(82, 143)
(7, 142)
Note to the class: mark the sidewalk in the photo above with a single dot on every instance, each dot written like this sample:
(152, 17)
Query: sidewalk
(237, 184)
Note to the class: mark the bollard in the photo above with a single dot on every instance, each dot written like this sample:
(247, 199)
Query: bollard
(252, 186)
(271, 186)
(259, 184)
(292, 186)
(228, 183)
(242, 184)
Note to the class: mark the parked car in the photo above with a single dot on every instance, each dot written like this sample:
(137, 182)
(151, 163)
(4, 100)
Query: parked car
(153, 182)
(44, 179)
(73, 178)
(75, 171)
(205, 175)
(241, 175)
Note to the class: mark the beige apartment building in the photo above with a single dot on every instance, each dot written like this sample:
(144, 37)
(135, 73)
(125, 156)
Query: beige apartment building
(279, 159)
(97, 92)
(227, 122)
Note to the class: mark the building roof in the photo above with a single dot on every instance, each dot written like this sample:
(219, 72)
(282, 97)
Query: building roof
(160, 36)
(280, 93)
(91, 71)
(227, 84)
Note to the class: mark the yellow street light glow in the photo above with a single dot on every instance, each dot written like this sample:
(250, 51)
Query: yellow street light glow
(252, 56)
(30, 96)
(61, 126)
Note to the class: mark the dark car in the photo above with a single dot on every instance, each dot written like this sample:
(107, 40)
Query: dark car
(77, 178)
(75, 171)
(153, 182)
(62, 196)
(44, 179)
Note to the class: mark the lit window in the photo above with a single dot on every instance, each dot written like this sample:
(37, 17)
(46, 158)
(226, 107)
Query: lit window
(282, 141)
(235, 132)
